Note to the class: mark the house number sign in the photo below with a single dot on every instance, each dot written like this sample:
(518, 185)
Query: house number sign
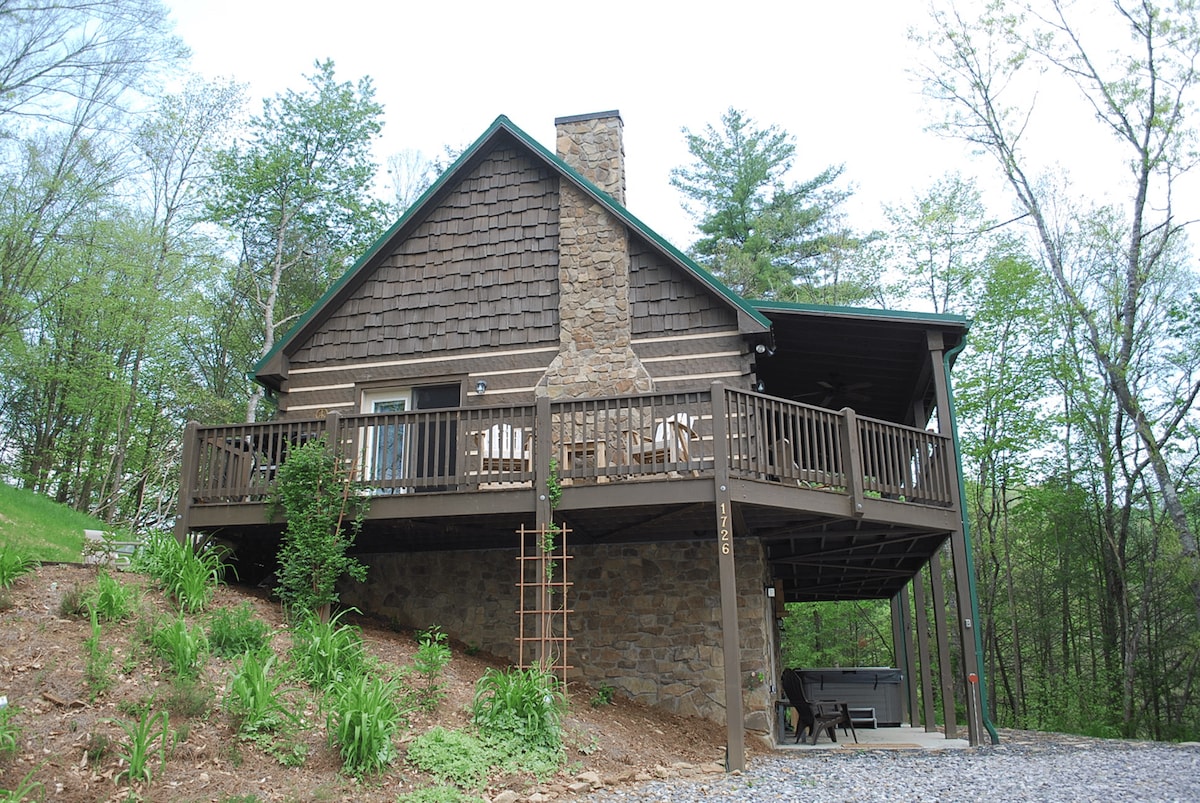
(726, 543)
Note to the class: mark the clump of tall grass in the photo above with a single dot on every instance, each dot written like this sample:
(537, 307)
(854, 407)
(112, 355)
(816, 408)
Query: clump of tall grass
(14, 565)
(362, 721)
(188, 575)
(326, 653)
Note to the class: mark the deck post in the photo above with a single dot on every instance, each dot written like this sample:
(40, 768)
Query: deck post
(949, 715)
(188, 469)
(963, 582)
(852, 460)
(731, 643)
(910, 659)
(543, 512)
(928, 717)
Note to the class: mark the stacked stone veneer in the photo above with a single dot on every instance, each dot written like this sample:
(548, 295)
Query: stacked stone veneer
(595, 356)
(646, 620)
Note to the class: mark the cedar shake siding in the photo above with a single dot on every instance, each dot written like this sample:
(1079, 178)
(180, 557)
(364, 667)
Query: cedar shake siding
(486, 256)
(684, 334)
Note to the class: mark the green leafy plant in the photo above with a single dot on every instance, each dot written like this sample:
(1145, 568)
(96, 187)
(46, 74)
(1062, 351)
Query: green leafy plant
(526, 703)
(363, 720)
(324, 653)
(97, 669)
(452, 756)
(438, 794)
(431, 659)
(13, 566)
(111, 600)
(184, 648)
(27, 789)
(73, 602)
(235, 631)
(603, 696)
(140, 745)
(187, 698)
(10, 732)
(255, 700)
(324, 513)
(188, 574)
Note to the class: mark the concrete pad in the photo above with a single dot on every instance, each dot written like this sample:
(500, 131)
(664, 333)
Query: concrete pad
(901, 738)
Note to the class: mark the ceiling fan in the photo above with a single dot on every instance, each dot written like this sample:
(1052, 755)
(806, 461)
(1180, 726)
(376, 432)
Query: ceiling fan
(836, 393)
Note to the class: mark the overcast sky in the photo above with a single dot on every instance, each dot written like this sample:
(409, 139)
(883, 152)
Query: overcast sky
(834, 75)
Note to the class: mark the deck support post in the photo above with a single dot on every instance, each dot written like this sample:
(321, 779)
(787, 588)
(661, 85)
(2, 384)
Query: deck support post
(963, 582)
(942, 633)
(188, 470)
(928, 717)
(910, 658)
(735, 726)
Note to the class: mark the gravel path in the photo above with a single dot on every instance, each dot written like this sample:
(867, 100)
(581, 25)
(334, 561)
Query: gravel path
(1107, 771)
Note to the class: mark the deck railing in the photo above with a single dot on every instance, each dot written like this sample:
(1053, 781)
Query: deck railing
(591, 441)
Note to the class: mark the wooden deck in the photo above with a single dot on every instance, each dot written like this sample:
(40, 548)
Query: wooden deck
(450, 460)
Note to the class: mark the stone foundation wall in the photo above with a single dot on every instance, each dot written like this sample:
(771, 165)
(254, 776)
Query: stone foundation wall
(646, 621)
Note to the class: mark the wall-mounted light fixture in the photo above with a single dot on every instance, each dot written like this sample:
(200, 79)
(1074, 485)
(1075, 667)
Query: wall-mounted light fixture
(763, 348)
(759, 387)
(481, 386)
(771, 592)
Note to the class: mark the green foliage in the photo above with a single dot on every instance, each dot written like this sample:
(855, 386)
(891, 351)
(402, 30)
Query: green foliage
(255, 697)
(139, 747)
(362, 722)
(23, 791)
(430, 661)
(453, 756)
(526, 703)
(188, 575)
(234, 631)
(603, 696)
(820, 634)
(187, 698)
(13, 565)
(10, 732)
(183, 647)
(110, 599)
(97, 670)
(325, 653)
(315, 491)
(438, 794)
(764, 237)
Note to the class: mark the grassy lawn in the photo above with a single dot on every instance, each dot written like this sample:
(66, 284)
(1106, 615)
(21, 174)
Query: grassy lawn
(36, 527)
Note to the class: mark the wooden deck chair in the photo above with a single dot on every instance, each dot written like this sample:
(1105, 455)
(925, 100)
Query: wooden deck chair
(811, 719)
(504, 448)
(671, 442)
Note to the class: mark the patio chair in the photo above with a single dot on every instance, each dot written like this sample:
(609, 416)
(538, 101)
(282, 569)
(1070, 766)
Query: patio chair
(505, 448)
(812, 720)
(671, 442)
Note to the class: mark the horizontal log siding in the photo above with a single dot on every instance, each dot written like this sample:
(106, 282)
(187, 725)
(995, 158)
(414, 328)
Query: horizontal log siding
(673, 315)
(479, 273)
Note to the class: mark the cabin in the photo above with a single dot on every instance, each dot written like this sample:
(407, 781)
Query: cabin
(585, 452)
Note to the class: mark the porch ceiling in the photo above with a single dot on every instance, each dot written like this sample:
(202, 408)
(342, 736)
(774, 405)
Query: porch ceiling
(834, 357)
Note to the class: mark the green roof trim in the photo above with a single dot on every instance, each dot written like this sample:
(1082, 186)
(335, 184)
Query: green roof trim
(502, 122)
(934, 318)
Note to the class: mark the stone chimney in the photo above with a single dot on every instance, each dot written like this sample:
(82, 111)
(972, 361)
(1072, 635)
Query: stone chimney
(593, 145)
(594, 356)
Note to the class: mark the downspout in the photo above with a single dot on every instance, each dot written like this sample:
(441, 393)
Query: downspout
(966, 526)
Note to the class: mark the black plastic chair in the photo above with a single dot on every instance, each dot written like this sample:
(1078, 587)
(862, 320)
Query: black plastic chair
(811, 720)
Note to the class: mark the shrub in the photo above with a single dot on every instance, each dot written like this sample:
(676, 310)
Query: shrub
(111, 600)
(254, 697)
(430, 661)
(526, 703)
(235, 631)
(183, 647)
(13, 566)
(324, 514)
(325, 653)
(363, 720)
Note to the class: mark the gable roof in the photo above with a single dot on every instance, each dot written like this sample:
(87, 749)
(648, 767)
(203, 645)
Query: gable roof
(273, 365)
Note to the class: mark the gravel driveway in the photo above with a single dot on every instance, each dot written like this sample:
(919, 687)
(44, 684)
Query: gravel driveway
(1096, 770)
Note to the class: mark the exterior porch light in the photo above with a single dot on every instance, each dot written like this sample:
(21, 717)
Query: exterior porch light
(759, 387)
(481, 386)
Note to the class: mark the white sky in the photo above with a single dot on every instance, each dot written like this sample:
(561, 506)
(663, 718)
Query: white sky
(834, 75)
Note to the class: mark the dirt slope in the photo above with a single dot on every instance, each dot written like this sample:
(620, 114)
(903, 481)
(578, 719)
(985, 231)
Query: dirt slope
(73, 744)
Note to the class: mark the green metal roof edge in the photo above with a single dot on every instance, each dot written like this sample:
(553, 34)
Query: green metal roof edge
(866, 312)
(502, 122)
(413, 209)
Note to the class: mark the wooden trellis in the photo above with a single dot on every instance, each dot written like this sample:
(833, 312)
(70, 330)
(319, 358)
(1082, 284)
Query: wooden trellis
(543, 607)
